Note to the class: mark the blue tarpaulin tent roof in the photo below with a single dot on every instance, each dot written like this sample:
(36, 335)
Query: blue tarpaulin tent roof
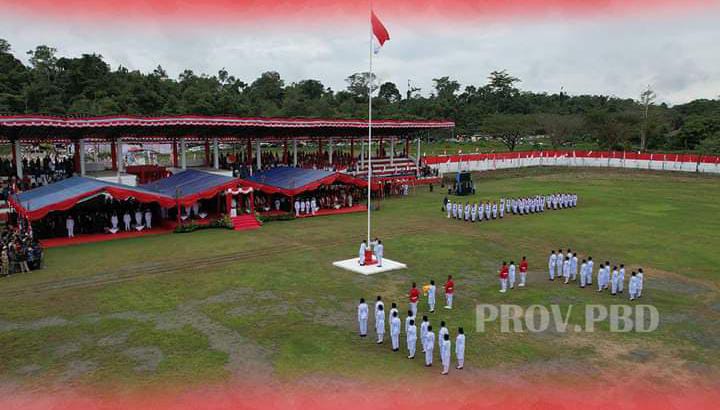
(294, 181)
(65, 194)
(190, 183)
(289, 178)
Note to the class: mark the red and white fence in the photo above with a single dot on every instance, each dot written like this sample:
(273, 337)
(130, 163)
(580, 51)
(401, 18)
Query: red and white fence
(605, 159)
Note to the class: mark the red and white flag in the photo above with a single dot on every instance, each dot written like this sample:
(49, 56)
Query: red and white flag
(380, 33)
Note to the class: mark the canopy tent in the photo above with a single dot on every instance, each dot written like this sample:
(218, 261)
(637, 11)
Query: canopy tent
(31, 127)
(63, 195)
(294, 181)
(191, 186)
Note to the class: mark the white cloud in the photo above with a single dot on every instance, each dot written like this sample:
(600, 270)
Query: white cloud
(677, 55)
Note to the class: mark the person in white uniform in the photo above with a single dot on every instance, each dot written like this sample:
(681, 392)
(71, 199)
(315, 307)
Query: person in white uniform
(641, 282)
(114, 223)
(361, 253)
(126, 220)
(614, 281)
(70, 226)
(429, 346)
(511, 275)
(378, 304)
(423, 332)
(443, 331)
(410, 317)
(393, 309)
(379, 250)
(411, 338)
(566, 269)
(297, 207)
(621, 279)
(559, 263)
(460, 348)
(633, 285)
(148, 219)
(551, 264)
(583, 273)
(138, 220)
(574, 267)
(362, 310)
(445, 349)
(603, 278)
(380, 324)
(448, 208)
(395, 324)
(431, 296)
(589, 278)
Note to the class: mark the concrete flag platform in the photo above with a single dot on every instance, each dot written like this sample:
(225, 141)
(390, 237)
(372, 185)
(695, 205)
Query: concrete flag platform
(353, 265)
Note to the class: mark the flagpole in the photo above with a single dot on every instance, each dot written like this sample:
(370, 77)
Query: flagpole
(370, 80)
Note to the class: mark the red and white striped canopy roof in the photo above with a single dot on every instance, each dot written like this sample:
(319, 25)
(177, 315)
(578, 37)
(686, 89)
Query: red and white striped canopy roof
(139, 129)
(210, 121)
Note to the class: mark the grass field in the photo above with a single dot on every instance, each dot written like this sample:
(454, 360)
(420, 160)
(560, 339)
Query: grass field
(204, 307)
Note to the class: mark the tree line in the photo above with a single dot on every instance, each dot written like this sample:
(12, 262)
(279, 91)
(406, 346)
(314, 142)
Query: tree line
(500, 109)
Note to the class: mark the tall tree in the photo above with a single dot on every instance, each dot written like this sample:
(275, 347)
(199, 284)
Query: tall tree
(358, 84)
(510, 129)
(389, 93)
(647, 99)
(560, 128)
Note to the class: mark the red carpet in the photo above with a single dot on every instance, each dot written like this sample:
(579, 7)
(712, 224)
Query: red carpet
(101, 237)
(245, 223)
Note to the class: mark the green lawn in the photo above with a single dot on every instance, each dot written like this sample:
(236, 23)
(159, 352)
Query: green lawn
(200, 307)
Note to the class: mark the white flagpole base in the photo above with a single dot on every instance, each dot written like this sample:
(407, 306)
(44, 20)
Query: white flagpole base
(354, 266)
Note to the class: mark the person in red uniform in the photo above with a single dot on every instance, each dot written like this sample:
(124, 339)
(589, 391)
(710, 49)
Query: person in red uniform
(523, 271)
(504, 272)
(414, 296)
(449, 290)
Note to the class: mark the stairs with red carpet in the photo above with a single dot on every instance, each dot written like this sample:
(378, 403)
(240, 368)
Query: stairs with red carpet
(245, 222)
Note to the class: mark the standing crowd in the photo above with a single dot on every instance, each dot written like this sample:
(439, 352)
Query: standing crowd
(19, 251)
(428, 339)
(609, 276)
(490, 210)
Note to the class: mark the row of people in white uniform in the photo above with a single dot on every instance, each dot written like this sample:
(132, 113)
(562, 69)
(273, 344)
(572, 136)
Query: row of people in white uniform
(305, 206)
(566, 266)
(427, 335)
(518, 206)
(127, 221)
(114, 222)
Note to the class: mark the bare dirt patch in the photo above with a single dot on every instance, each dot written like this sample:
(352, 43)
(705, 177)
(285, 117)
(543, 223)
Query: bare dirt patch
(147, 358)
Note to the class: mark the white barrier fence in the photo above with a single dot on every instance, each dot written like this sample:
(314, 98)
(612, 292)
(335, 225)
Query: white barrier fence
(490, 164)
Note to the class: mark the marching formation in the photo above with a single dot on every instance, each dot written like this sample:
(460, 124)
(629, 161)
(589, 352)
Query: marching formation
(428, 339)
(517, 206)
(612, 277)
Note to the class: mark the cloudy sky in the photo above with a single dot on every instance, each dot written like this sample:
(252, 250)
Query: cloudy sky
(590, 46)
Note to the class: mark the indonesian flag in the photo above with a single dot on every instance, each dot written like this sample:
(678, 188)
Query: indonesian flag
(380, 33)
